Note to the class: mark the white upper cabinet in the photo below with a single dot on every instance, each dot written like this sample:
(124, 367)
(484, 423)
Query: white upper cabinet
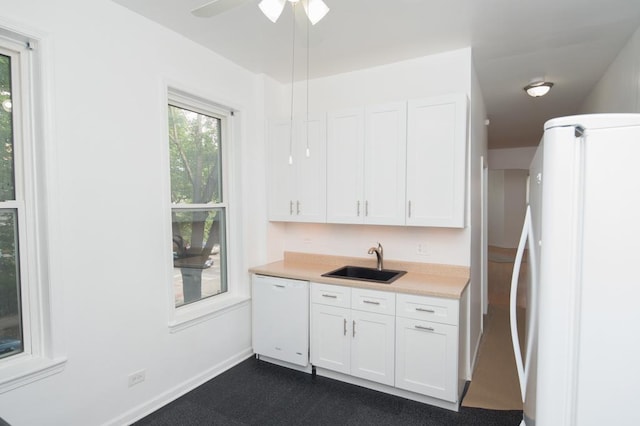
(281, 173)
(345, 166)
(436, 161)
(297, 190)
(366, 165)
(400, 163)
(385, 162)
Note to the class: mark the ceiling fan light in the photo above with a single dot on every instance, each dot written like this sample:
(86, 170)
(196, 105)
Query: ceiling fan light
(538, 88)
(315, 10)
(272, 9)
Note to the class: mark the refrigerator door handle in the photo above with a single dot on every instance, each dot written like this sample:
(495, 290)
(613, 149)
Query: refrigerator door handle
(525, 237)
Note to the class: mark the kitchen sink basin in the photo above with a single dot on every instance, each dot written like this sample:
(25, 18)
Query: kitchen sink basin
(385, 276)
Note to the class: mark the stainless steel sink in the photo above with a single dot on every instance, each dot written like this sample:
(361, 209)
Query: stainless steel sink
(385, 276)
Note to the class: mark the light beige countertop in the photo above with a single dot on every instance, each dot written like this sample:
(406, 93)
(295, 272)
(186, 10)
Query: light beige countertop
(425, 279)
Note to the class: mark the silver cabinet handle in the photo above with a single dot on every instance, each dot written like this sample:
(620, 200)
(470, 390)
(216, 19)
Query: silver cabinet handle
(431, 311)
(366, 208)
(278, 285)
(420, 327)
(409, 208)
(371, 302)
(291, 207)
(345, 326)
(358, 208)
(298, 207)
(332, 296)
(354, 328)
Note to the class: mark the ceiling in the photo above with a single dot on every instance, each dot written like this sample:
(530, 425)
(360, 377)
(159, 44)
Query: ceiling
(569, 42)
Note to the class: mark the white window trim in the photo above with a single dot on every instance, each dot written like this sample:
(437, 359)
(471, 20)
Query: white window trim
(186, 316)
(43, 354)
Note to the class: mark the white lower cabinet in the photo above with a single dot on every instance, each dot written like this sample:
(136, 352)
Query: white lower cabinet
(404, 341)
(360, 343)
(372, 346)
(330, 345)
(427, 358)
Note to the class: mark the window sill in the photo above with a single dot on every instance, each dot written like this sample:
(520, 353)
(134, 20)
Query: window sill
(190, 315)
(27, 369)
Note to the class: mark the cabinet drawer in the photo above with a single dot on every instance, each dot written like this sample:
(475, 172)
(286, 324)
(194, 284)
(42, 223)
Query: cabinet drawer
(332, 295)
(382, 302)
(427, 308)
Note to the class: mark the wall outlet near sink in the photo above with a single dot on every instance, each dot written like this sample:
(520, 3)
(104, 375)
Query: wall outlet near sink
(422, 249)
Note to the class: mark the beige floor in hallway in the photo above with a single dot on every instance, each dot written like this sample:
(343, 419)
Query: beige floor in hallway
(495, 379)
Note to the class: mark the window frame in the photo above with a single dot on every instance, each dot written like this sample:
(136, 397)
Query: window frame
(184, 316)
(42, 353)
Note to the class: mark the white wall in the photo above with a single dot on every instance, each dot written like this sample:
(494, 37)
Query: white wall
(511, 158)
(431, 75)
(507, 206)
(106, 69)
(477, 155)
(619, 88)
(509, 168)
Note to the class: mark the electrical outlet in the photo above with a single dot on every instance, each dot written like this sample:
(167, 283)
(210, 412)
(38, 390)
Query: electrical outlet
(422, 249)
(137, 377)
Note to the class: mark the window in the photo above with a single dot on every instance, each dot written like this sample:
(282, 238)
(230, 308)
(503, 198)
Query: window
(11, 209)
(198, 200)
(29, 348)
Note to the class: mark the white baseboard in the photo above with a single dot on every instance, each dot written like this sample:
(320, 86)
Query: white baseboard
(474, 357)
(453, 406)
(174, 393)
(305, 369)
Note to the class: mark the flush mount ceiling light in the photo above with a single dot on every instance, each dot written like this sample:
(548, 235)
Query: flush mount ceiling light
(538, 88)
(315, 9)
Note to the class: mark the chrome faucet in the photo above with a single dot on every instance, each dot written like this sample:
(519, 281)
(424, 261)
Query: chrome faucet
(379, 254)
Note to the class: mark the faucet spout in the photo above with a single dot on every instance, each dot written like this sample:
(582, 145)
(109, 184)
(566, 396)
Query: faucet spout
(379, 255)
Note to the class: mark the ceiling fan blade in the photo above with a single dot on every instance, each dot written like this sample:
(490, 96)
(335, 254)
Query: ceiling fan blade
(272, 9)
(215, 7)
(315, 10)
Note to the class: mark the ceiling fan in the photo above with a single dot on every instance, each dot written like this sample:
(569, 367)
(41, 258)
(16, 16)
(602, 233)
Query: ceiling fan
(315, 9)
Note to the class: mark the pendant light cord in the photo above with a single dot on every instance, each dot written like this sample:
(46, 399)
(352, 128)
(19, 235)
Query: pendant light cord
(293, 63)
(307, 125)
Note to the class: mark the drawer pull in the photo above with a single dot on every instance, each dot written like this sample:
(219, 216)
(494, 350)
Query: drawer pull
(354, 328)
(332, 296)
(431, 311)
(420, 327)
(371, 302)
(345, 326)
(278, 285)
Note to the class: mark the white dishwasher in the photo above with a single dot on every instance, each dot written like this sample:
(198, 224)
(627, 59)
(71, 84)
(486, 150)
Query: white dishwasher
(281, 318)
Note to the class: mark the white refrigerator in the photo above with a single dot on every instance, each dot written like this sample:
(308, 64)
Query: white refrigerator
(580, 362)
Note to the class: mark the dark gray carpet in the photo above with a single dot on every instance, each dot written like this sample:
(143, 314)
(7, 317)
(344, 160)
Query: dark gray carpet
(258, 393)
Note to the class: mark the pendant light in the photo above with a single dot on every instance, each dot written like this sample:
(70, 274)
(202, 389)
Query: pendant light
(315, 9)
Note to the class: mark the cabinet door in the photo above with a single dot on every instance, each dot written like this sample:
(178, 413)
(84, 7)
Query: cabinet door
(310, 164)
(281, 174)
(385, 164)
(330, 337)
(373, 346)
(345, 157)
(436, 161)
(427, 358)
